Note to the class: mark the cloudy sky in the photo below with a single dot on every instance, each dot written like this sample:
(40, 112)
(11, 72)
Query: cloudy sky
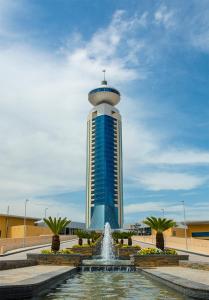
(156, 53)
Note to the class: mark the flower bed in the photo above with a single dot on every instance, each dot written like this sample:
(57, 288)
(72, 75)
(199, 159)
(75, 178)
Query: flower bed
(124, 251)
(153, 257)
(156, 251)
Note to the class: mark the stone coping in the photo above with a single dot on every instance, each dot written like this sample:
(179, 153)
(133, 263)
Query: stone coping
(182, 285)
(15, 264)
(195, 265)
(35, 286)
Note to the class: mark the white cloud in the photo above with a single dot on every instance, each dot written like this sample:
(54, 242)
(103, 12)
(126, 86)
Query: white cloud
(179, 157)
(44, 109)
(143, 207)
(164, 16)
(35, 207)
(157, 181)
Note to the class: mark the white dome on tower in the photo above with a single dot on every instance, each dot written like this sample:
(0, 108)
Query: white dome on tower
(104, 94)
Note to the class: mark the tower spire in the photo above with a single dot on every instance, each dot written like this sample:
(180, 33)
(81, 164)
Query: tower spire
(104, 82)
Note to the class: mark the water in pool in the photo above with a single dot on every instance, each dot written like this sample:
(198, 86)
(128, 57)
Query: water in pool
(112, 285)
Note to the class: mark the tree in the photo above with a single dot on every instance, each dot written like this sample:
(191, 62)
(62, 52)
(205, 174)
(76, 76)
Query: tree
(159, 225)
(57, 226)
(129, 234)
(81, 235)
(94, 235)
(115, 236)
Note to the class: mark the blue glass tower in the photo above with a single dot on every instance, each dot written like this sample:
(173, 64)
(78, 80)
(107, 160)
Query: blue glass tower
(104, 201)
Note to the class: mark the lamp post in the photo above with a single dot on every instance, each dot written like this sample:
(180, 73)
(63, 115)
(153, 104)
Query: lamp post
(7, 222)
(185, 227)
(26, 201)
(45, 210)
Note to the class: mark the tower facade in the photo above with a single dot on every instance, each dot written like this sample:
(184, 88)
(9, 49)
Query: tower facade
(104, 186)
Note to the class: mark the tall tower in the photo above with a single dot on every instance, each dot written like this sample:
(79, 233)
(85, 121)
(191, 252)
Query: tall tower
(104, 186)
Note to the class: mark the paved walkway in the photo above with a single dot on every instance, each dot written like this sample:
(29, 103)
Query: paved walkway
(17, 276)
(200, 276)
(23, 255)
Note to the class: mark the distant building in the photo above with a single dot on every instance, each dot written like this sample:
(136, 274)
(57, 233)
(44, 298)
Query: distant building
(104, 195)
(138, 228)
(13, 226)
(195, 229)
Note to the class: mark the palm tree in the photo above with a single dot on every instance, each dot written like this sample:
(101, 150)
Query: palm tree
(56, 225)
(81, 235)
(159, 225)
(115, 236)
(129, 235)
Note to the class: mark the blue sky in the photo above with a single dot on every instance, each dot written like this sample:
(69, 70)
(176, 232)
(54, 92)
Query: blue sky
(155, 52)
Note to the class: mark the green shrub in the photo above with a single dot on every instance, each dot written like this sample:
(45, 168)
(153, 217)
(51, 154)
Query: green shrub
(81, 246)
(156, 251)
(137, 246)
(66, 251)
(133, 246)
(47, 251)
(169, 251)
(118, 245)
(150, 251)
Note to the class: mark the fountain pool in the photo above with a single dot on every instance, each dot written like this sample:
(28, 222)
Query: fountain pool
(112, 285)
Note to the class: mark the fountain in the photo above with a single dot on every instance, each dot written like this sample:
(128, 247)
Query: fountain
(107, 244)
(107, 260)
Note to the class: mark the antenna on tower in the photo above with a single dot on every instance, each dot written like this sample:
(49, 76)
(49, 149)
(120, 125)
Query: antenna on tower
(104, 82)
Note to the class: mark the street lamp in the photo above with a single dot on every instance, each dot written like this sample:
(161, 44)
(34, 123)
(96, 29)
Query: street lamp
(7, 222)
(185, 226)
(45, 210)
(26, 201)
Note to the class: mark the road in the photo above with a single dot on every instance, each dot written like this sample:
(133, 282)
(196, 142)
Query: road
(23, 255)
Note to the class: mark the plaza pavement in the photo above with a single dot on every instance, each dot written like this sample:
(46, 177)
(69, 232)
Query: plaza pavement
(23, 254)
(17, 276)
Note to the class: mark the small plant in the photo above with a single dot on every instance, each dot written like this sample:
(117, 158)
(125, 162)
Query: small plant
(81, 246)
(94, 236)
(129, 235)
(66, 251)
(137, 246)
(157, 251)
(170, 251)
(150, 251)
(80, 234)
(116, 236)
(47, 251)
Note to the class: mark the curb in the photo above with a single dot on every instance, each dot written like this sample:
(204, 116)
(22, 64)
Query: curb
(182, 285)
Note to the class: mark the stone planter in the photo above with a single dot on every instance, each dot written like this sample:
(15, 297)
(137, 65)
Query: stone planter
(87, 251)
(124, 253)
(56, 259)
(150, 261)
